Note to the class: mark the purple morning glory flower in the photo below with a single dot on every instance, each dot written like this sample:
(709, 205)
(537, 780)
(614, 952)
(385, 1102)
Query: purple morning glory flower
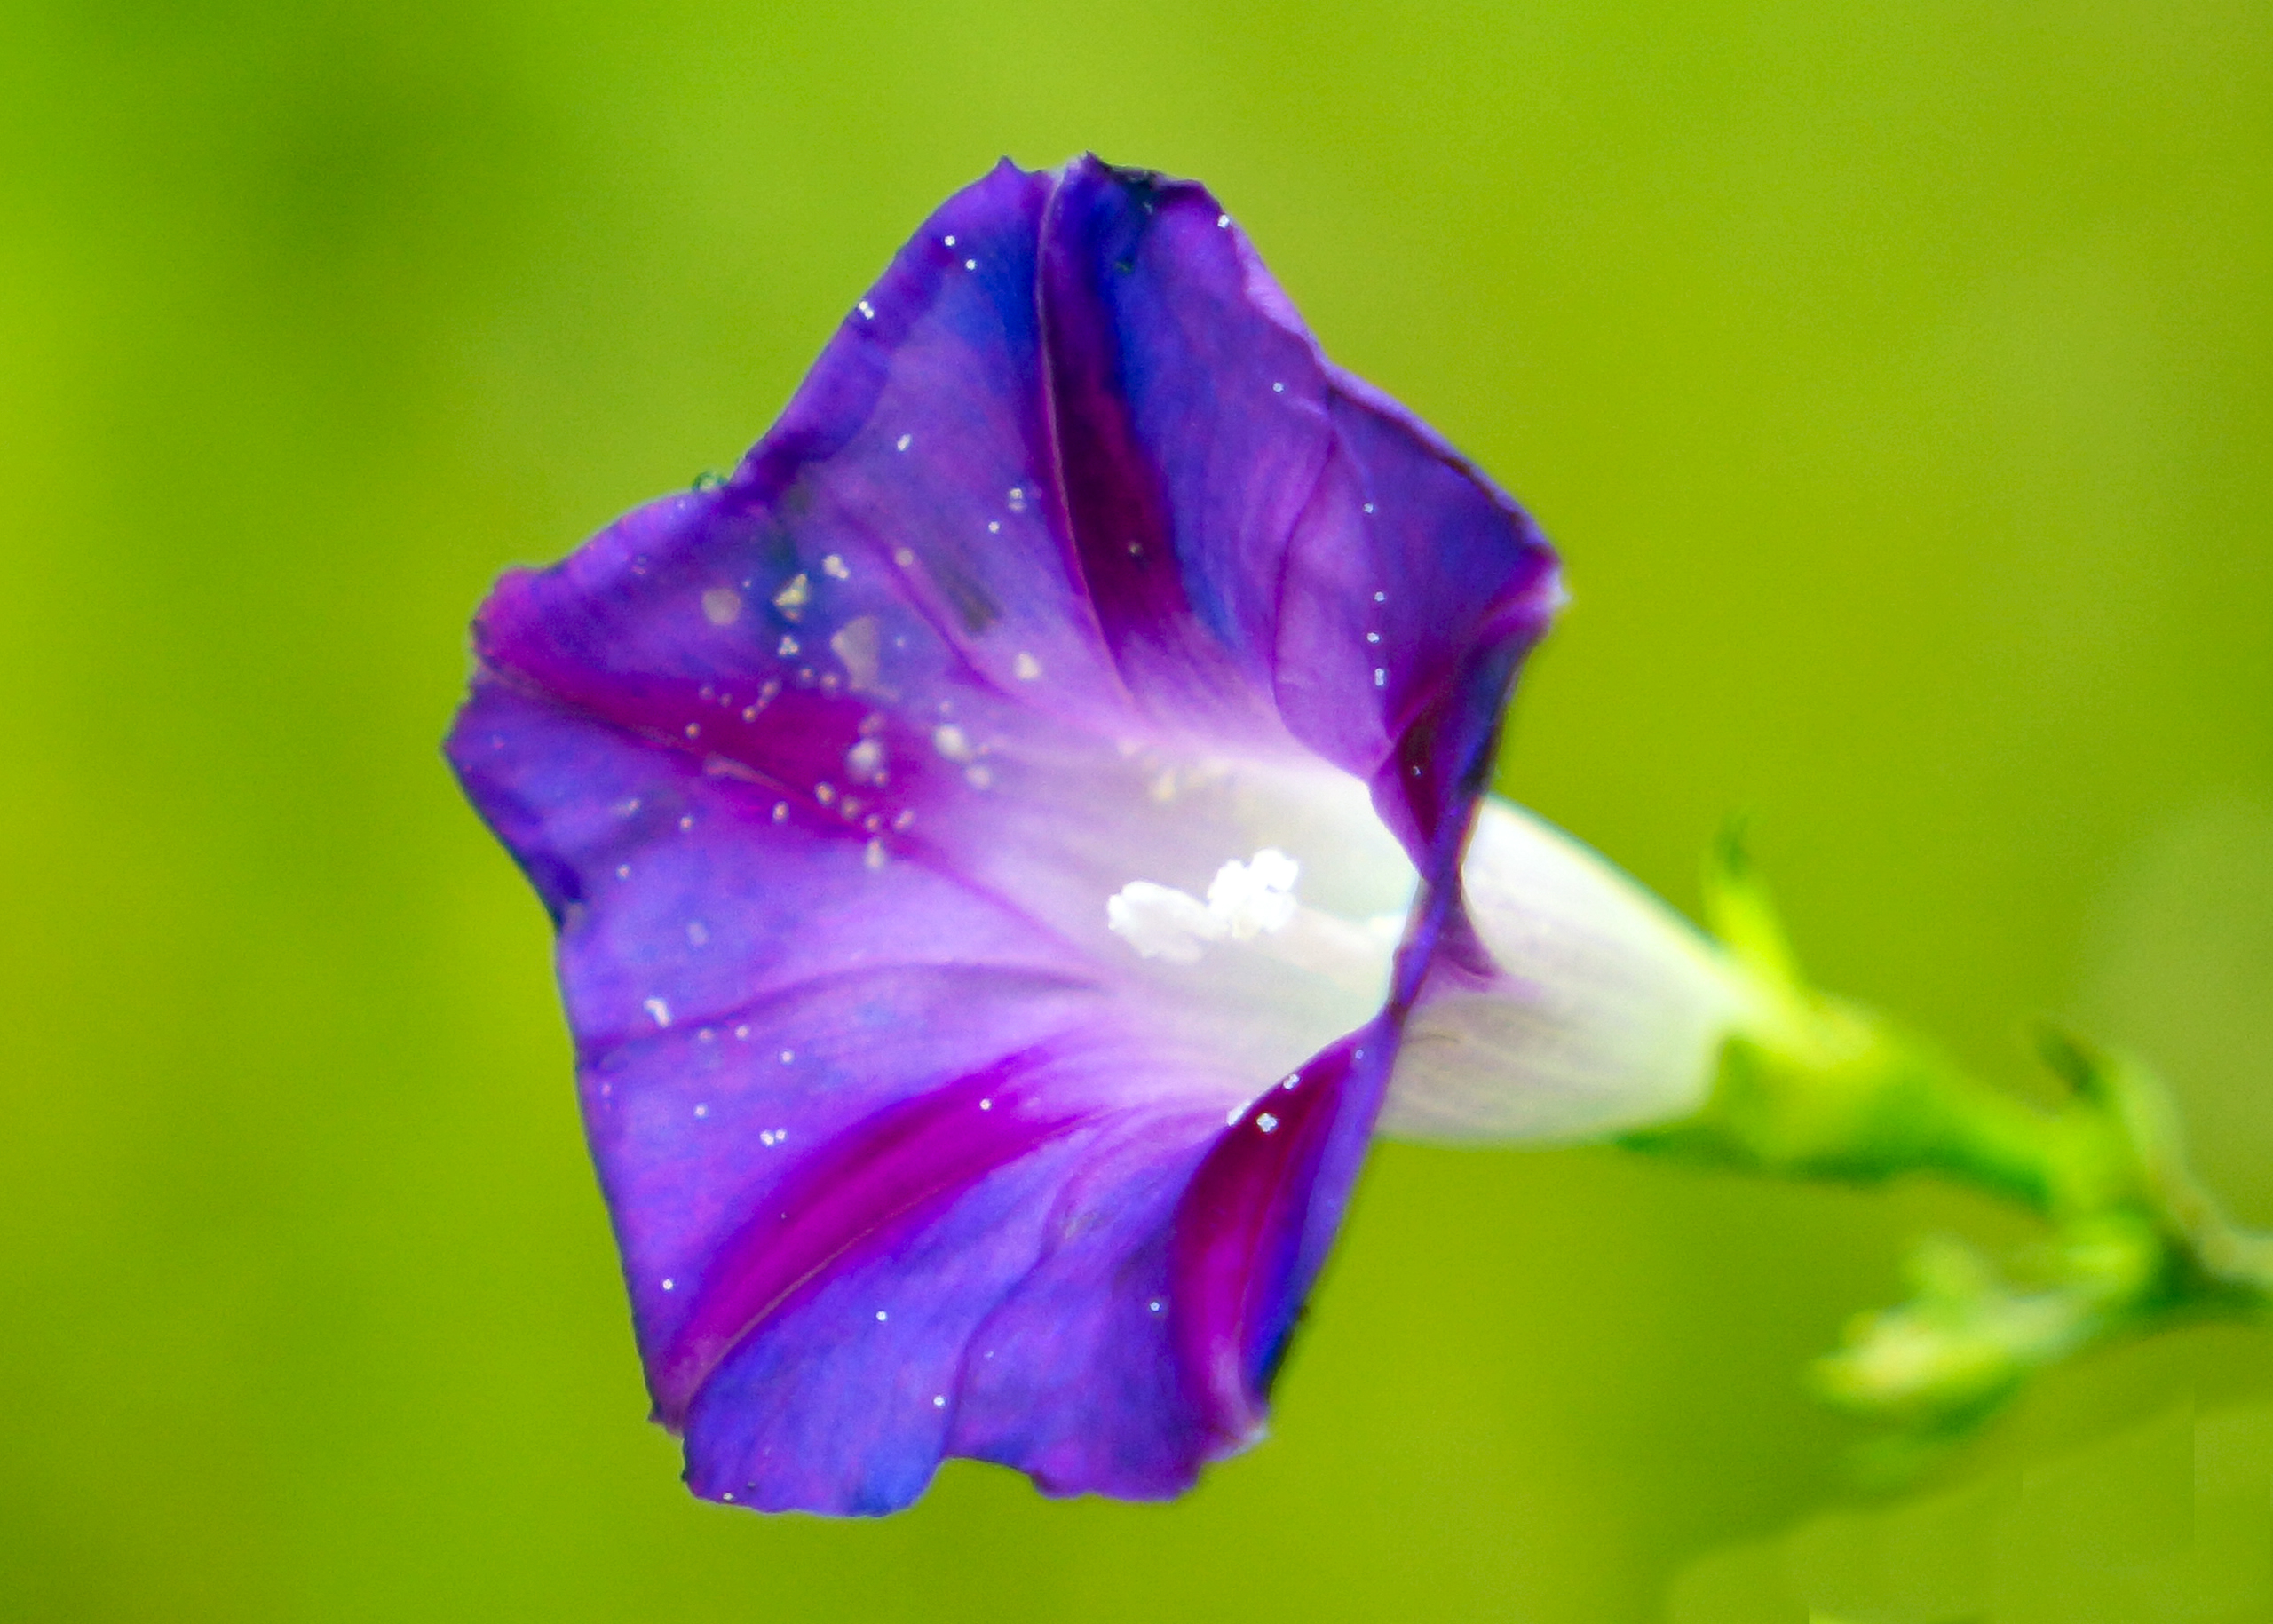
(1000, 838)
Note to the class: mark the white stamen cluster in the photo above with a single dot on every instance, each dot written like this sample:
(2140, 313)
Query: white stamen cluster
(1244, 901)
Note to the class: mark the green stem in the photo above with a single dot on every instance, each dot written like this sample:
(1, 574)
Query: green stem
(1818, 1088)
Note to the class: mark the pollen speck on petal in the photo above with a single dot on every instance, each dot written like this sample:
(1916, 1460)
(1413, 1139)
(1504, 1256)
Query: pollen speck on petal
(858, 645)
(722, 605)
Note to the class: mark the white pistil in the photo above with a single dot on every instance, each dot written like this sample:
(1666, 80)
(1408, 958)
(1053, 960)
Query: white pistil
(1253, 903)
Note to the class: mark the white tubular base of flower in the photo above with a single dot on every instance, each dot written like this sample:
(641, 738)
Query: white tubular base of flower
(1605, 1010)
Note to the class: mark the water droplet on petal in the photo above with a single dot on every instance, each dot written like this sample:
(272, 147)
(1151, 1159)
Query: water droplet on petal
(722, 605)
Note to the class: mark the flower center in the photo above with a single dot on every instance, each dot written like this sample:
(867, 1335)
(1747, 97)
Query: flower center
(1253, 903)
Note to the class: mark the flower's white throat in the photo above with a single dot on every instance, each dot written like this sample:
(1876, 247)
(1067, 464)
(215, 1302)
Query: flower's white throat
(1606, 1009)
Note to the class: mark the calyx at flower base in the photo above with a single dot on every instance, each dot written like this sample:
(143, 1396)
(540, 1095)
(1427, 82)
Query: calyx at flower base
(1817, 1087)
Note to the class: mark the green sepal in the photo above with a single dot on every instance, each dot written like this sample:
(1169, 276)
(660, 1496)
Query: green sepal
(1741, 912)
(1814, 1087)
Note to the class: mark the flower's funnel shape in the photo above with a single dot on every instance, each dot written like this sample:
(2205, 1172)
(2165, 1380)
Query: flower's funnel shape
(997, 838)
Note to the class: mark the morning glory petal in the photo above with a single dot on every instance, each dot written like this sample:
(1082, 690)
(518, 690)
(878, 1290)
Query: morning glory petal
(1584, 1007)
(996, 839)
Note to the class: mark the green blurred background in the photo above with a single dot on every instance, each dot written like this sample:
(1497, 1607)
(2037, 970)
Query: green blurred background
(1898, 378)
